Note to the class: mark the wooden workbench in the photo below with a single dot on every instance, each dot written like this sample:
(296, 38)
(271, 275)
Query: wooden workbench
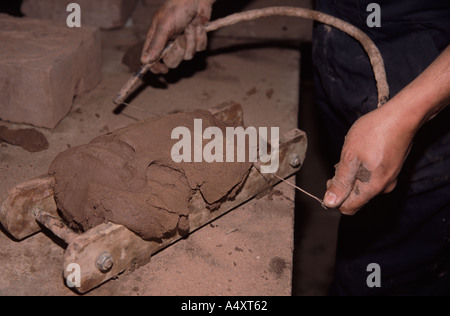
(246, 252)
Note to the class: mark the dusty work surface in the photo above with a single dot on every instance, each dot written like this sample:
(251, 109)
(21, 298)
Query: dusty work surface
(246, 252)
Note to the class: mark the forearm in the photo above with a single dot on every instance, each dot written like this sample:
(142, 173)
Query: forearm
(426, 96)
(379, 142)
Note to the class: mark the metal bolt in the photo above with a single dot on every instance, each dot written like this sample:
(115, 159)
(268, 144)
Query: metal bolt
(295, 161)
(104, 262)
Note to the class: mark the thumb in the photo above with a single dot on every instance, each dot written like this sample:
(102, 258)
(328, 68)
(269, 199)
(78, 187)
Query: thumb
(340, 187)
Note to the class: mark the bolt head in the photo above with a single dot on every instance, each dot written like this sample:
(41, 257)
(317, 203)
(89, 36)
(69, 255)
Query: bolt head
(104, 262)
(295, 161)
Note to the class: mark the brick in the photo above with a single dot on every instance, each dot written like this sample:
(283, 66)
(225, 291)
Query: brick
(105, 14)
(43, 66)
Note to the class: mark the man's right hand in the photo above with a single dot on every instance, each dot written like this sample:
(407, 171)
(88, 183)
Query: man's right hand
(182, 21)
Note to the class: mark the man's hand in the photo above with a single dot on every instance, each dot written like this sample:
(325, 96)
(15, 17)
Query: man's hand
(378, 144)
(374, 152)
(182, 21)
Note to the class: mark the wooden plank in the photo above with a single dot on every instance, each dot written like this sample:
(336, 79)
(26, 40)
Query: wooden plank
(230, 113)
(18, 204)
(55, 225)
(127, 251)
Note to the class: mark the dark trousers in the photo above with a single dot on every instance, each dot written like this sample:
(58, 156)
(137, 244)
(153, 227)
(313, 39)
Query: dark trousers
(407, 233)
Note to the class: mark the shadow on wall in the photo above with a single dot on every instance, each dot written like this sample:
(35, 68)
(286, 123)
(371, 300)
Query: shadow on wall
(224, 8)
(11, 7)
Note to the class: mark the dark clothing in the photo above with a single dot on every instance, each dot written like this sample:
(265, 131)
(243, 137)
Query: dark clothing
(407, 232)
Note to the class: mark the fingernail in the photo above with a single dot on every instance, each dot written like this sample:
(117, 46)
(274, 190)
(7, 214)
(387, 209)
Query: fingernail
(330, 199)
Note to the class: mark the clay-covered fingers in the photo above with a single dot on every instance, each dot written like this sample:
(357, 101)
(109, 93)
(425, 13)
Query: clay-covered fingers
(180, 21)
(202, 38)
(372, 158)
(351, 188)
(360, 195)
(158, 35)
(354, 186)
(185, 46)
(363, 192)
(159, 68)
(190, 40)
(175, 54)
(340, 187)
(196, 38)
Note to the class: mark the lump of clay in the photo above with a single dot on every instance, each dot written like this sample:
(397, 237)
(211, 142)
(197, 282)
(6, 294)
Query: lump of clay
(29, 139)
(128, 177)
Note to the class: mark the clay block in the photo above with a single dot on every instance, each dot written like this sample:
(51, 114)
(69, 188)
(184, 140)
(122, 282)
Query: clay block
(43, 67)
(106, 14)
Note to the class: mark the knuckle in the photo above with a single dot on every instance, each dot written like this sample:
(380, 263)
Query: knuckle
(347, 211)
(366, 192)
(391, 187)
(376, 187)
(347, 155)
(172, 61)
(158, 68)
(164, 28)
(352, 207)
(202, 40)
(340, 184)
